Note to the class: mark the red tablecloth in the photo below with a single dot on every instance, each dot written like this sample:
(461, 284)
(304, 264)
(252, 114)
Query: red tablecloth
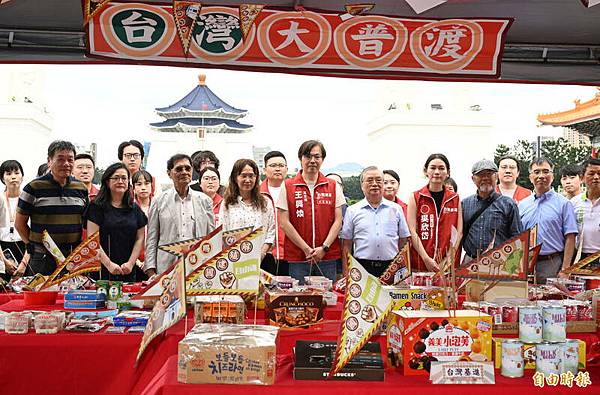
(101, 363)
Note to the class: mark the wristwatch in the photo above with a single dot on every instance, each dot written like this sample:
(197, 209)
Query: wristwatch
(325, 248)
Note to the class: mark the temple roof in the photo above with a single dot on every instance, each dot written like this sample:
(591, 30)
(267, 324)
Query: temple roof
(585, 117)
(201, 102)
(215, 125)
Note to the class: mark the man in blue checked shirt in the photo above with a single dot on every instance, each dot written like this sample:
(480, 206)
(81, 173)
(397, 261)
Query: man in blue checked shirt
(489, 216)
(374, 228)
(555, 217)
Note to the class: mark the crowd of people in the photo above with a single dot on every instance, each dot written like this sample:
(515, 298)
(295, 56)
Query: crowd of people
(309, 228)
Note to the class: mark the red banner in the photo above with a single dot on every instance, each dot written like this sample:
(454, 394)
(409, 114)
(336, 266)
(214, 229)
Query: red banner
(307, 41)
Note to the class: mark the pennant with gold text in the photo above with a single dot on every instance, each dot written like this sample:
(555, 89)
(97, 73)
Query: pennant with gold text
(169, 308)
(84, 259)
(234, 271)
(248, 14)
(586, 266)
(91, 8)
(366, 306)
(359, 9)
(186, 15)
(399, 269)
(508, 261)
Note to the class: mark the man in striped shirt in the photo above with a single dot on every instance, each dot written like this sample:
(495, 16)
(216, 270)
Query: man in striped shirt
(53, 202)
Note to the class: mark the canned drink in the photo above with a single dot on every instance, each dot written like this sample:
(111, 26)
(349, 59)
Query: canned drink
(530, 324)
(584, 312)
(513, 364)
(510, 314)
(555, 324)
(548, 358)
(484, 307)
(571, 311)
(496, 312)
(570, 362)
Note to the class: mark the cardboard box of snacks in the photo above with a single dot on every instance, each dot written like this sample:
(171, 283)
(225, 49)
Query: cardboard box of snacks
(293, 308)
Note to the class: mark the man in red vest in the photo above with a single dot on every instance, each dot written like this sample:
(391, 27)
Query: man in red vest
(310, 213)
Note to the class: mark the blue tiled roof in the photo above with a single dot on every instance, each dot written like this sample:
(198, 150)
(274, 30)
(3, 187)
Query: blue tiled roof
(201, 98)
(208, 122)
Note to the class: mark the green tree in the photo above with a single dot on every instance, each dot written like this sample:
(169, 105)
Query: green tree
(352, 188)
(98, 173)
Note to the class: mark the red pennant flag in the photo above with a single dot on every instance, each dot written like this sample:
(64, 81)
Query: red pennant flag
(186, 15)
(84, 259)
(359, 9)
(399, 269)
(248, 14)
(91, 8)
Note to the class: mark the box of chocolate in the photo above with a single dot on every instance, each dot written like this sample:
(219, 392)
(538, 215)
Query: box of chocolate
(417, 338)
(318, 282)
(313, 359)
(293, 308)
(226, 309)
(228, 354)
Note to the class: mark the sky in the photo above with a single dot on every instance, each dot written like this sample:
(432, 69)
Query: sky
(107, 104)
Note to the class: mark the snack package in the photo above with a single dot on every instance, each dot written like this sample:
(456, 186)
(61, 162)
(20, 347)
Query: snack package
(213, 309)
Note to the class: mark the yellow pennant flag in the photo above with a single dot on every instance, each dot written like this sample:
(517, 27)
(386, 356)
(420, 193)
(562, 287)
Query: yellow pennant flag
(84, 259)
(91, 8)
(366, 306)
(248, 14)
(52, 248)
(169, 308)
(234, 271)
(186, 15)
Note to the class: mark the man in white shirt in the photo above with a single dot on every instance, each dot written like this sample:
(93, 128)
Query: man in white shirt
(275, 172)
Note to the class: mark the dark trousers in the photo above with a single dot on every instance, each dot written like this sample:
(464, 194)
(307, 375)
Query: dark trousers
(376, 268)
(269, 264)
(42, 263)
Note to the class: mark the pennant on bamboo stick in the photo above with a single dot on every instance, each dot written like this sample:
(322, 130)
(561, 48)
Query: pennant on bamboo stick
(169, 308)
(52, 248)
(185, 14)
(366, 306)
(508, 261)
(84, 259)
(586, 266)
(399, 269)
(248, 14)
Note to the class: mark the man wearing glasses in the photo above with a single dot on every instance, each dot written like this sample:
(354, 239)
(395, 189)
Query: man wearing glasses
(310, 213)
(375, 226)
(276, 173)
(84, 172)
(555, 217)
(131, 153)
(508, 174)
(53, 202)
(175, 215)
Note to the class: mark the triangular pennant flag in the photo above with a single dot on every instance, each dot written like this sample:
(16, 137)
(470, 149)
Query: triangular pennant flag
(91, 8)
(265, 277)
(195, 253)
(181, 247)
(236, 270)
(533, 256)
(186, 15)
(359, 9)
(399, 269)
(52, 248)
(84, 259)
(169, 308)
(248, 14)
(587, 266)
(366, 307)
(233, 235)
(533, 233)
(508, 261)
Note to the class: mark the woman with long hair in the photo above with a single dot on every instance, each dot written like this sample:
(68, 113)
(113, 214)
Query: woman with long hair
(143, 193)
(434, 217)
(121, 224)
(210, 182)
(244, 205)
(11, 175)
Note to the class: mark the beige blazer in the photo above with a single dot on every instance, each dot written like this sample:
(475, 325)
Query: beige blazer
(164, 226)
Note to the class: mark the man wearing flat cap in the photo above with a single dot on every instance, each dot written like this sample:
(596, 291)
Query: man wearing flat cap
(488, 217)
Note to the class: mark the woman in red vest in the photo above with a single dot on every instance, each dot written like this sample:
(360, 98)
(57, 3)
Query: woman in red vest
(434, 217)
